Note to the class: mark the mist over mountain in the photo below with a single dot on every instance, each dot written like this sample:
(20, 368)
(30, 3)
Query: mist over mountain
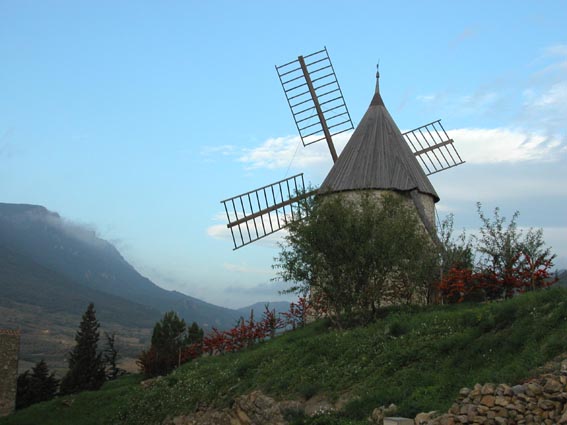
(260, 307)
(31, 234)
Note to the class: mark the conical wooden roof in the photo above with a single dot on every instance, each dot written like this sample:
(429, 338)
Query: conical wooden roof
(377, 157)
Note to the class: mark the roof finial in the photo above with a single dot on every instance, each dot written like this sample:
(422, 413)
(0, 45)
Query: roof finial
(378, 77)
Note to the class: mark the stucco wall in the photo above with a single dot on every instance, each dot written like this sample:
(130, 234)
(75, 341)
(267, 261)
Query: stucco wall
(9, 351)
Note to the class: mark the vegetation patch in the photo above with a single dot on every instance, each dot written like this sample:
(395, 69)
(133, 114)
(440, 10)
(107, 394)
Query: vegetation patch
(415, 357)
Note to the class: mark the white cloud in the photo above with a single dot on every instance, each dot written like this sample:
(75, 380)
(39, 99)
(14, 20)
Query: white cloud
(500, 145)
(556, 50)
(288, 152)
(555, 95)
(219, 231)
(476, 145)
(222, 232)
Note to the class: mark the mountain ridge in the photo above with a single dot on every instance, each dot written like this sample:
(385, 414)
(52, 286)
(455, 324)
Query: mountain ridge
(80, 256)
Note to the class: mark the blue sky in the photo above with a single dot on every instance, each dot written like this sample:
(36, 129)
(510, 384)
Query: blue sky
(136, 118)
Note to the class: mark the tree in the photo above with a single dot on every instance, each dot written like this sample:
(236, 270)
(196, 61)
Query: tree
(169, 337)
(35, 387)
(356, 256)
(86, 366)
(194, 334)
(511, 261)
(456, 252)
(508, 260)
(111, 358)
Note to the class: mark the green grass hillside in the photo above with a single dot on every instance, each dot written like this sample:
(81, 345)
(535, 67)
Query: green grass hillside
(415, 357)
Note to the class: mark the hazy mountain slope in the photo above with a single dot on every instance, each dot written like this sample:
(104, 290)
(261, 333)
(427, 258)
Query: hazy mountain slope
(279, 306)
(79, 255)
(24, 281)
(562, 276)
(47, 308)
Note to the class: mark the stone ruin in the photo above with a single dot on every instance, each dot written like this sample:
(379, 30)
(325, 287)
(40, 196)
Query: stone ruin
(9, 352)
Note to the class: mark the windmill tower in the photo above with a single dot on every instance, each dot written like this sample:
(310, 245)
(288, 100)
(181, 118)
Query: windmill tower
(377, 158)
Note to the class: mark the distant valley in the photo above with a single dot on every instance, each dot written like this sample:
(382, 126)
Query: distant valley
(50, 270)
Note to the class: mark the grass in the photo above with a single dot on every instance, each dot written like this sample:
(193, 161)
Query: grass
(86, 408)
(415, 357)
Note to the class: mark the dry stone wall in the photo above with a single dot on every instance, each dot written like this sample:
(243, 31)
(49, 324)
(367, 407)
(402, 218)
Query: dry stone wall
(542, 400)
(9, 351)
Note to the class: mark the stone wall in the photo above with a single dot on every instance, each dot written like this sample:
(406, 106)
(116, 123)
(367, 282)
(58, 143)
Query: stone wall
(9, 351)
(541, 400)
(354, 196)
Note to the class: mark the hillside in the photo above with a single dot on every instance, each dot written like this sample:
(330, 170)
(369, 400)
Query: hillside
(47, 307)
(416, 357)
(562, 276)
(81, 257)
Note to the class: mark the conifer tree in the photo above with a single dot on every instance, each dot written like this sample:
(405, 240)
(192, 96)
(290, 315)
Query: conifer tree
(37, 386)
(86, 366)
(194, 334)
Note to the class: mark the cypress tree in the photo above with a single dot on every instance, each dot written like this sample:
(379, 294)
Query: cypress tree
(86, 366)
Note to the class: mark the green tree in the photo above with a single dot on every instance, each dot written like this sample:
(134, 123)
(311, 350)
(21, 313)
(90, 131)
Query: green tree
(194, 334)
(456, 252)
(86, 365)
(169, 337)
(37, 386)
(516, 259)
(355, 256)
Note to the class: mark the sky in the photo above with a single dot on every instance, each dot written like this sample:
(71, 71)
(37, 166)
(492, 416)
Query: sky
(136, 118)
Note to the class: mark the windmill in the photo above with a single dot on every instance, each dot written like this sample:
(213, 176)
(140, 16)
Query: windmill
(377, 157)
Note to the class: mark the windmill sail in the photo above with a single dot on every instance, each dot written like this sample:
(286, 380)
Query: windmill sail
(315, 98)
(377, 157)
(432, 146)
(258, 213)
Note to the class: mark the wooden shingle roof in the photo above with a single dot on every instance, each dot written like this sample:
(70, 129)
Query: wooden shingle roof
(377, 157)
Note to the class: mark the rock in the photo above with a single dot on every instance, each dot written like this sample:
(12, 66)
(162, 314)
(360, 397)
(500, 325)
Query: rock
(563, 418)
(424, 418)
(251, 409)
(487, 400)
(377, 416)
(533, 388)
(256, 408)
(553, 386)
(317, 405)
(381, 412)
(147, 383)
(501, 401)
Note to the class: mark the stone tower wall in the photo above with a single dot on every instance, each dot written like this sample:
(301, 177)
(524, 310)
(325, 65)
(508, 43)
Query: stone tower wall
(9, 352)
(428, 202)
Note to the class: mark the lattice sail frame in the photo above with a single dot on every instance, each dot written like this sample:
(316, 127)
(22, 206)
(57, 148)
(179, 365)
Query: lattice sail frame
(315, 98)
(260, 212)
(433, 147)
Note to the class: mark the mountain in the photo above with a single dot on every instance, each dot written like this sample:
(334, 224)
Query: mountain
(24, 281)
(562, 276)
(279, 306)
(90, 267)
(47, 307)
